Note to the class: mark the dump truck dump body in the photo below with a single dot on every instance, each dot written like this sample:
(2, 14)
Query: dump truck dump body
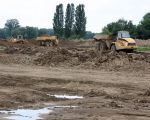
(48, 40)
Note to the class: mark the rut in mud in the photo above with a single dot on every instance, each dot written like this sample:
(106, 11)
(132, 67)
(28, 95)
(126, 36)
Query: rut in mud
(104, 96)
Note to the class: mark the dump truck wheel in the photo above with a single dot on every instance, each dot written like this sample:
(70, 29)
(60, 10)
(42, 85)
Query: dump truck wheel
(42, 43)
(48, 43)
(97, 46)
(51, 43)
(101, 47)
(113, 48)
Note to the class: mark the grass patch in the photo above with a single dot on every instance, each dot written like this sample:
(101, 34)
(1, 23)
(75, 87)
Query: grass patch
(143, 49)
(2, 48)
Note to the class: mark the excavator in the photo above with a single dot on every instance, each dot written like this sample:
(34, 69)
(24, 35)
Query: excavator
(120, 42)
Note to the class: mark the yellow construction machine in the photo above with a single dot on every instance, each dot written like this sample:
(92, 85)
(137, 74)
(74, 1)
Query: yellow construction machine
(120, 42)
(47, 40)
(17, 40)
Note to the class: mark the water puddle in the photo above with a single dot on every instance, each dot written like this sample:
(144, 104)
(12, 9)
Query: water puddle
(29, 114)
(26, 114)
(67, 97)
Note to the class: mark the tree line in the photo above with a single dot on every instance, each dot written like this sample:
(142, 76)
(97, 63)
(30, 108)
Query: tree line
(73, 25)
(13, 29)
(70, 25)
(140, 31)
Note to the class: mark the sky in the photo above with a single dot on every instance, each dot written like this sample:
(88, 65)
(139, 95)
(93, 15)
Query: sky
(39, 13)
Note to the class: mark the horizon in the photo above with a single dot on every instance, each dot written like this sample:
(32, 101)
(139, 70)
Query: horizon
(37, 13)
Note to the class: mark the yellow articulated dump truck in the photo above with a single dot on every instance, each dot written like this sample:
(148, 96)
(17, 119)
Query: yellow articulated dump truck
(47, 40)
(120, 42)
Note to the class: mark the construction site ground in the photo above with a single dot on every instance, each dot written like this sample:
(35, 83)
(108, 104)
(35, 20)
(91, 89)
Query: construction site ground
(114, 86)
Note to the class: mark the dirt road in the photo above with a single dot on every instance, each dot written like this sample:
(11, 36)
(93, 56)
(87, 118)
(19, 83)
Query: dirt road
(107, 95)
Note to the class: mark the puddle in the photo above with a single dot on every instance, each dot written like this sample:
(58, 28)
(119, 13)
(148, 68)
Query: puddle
(29, 114)
(34, 114)
(67, 96)
(26, 114)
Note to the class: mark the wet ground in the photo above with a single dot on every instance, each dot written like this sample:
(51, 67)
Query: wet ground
(106, 95)
(72, 82)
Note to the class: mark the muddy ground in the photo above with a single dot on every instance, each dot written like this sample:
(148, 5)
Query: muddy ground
(113, 86)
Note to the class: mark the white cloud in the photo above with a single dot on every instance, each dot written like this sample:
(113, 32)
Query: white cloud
(39, 13)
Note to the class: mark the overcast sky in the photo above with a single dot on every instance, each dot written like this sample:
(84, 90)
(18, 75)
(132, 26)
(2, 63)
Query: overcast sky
(39, 13)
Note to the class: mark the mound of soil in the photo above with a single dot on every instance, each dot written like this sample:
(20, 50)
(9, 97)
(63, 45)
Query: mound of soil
(21, 50)
(75, 57)
(91, 59)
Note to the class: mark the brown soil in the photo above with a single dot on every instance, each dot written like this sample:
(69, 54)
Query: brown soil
(114, 86)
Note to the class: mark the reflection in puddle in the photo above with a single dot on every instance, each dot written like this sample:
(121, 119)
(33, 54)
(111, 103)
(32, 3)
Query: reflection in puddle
(67, 96)
(29, 114)
(26, 114)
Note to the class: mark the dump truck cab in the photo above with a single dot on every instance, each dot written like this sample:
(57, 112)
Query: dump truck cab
(123, 41)
(123, 34)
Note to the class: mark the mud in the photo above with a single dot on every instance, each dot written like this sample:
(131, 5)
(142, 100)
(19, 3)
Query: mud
(113, 86)
(75, 56)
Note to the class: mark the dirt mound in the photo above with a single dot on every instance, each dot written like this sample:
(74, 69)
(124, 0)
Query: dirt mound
(91, 59)
(52, 57)
(76, 56)
(21, 50)
(62, 56)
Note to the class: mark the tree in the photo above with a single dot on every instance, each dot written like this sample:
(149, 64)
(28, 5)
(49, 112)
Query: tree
(3, 34)
(11, 25)
(58, 21)
(143, 29)
(31, 32)
(80, 21)
(50, 31)
(69, 20)
(121, 24)
(43, 31)
(19, 31)
(89, 35)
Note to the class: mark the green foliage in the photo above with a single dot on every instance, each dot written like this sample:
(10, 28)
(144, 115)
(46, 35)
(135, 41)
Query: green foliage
(31, 32)
(58, 21)
(11, 25)
(43, 32)
(120, 25)
(146, 16)
(2, 48)
(19, 31)
(69, 20)
(3, 34)
(143, 28)
(75, 21)
(26, 32)
(50, 31)
(80, 21)
(89, 35)
(143, 49)
(13, 29)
